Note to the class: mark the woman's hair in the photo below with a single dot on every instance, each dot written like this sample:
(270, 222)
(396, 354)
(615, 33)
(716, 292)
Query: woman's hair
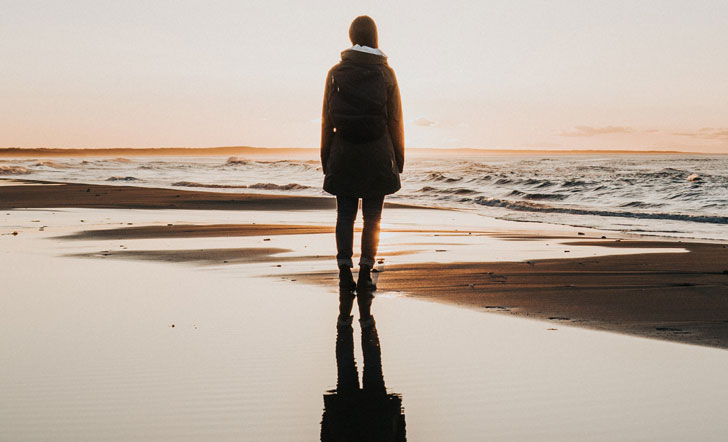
(363, 32)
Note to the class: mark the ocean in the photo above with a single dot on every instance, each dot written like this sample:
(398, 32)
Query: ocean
(682, 196)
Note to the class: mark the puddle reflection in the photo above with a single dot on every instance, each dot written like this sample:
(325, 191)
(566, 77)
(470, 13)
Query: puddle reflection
(366, 413)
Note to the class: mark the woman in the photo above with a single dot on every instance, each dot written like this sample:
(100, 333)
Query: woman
(362, 146)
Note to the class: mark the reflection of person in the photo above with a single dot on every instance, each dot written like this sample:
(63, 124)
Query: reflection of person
(368, 414)
(362, 146)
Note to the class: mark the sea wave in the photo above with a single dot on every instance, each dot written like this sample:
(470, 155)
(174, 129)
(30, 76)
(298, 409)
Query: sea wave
(537, 183)
(448, 191)
(107, 161)
(289, 165)
(545, 196)
(271, 186)
(436, 176)
(236, 161)
(209, 185)
(641, 205)
(525, 206)
(575, 183)
(259, 186)
(52, 164)
(122, 178)
(14, 170)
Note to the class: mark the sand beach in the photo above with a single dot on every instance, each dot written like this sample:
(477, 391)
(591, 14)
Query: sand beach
(146, 305)
(666, 289)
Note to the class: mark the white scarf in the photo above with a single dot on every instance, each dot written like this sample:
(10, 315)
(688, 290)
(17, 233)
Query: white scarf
(367, 49)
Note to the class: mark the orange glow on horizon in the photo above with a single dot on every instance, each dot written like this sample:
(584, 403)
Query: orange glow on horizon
(494, 76)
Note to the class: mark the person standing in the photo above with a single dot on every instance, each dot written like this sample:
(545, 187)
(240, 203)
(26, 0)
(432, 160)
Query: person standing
(362, 146)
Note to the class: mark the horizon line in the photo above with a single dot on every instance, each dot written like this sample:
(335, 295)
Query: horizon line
(221, 150)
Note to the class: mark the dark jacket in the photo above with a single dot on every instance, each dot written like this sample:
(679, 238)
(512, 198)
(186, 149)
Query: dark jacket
(363, 169)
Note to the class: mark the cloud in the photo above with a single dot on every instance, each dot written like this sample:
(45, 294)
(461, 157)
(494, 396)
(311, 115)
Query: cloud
(422, 121)
(706, 133)
(589, 131)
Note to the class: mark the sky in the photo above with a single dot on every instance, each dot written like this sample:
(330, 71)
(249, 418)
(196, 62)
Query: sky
(489, 74)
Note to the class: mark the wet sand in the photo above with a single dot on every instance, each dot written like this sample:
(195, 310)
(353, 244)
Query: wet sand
(59, 195)
(679, 297)
(117, 350)
(122, 323)
(199, 231)
(674, 296)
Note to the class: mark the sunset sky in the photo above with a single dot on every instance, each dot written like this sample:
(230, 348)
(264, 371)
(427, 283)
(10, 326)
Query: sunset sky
(496, 74)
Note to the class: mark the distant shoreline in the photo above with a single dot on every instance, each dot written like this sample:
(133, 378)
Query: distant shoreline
(303, 151)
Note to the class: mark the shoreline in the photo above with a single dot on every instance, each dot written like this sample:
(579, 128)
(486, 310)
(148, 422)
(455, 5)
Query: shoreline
(680, 297)
(18, 193)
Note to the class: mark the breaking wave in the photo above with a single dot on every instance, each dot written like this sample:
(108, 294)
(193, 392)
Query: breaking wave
(209, 186)
(122, 178)
(436, 176)
(610, 189)
(449, 191)
(280, 165)
(52, 164)
(14, 170)
(271, 186)
(260, 186)
(524, 206)
(545, 196)
(236, 161)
